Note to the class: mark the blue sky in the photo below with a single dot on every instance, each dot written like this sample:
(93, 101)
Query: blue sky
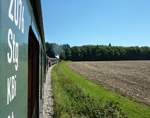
(80, 22)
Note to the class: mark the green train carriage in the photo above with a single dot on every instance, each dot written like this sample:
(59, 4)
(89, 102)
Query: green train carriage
(22, 58)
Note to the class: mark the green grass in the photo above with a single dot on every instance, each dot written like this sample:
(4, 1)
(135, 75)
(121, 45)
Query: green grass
(75, 96)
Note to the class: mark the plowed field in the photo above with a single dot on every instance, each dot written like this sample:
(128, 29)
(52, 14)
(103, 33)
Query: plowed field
(129, 78)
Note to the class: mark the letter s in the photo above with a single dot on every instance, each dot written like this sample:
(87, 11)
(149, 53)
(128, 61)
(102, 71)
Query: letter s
(9, 55)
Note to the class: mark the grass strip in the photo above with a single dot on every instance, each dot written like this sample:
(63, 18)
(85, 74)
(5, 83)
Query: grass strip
(75, 96)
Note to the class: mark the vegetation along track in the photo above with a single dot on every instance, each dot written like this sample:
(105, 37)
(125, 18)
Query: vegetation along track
(75, 96)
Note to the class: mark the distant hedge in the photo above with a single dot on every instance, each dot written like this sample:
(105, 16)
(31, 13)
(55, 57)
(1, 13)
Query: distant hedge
(97, 52)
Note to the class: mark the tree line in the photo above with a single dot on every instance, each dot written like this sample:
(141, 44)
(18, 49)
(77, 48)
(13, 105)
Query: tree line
(97, 52)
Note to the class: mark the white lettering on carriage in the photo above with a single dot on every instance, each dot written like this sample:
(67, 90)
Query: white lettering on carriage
(12, 55)
(16, 16)
(11, 116)
(16, 13)
(11, 88)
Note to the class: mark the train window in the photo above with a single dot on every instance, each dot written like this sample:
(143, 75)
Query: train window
(33, 76)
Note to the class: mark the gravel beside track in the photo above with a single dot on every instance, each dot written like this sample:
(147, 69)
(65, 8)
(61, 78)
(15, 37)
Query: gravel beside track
(48, 97)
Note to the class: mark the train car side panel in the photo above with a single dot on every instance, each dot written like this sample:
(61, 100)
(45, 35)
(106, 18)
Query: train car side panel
(15, 20)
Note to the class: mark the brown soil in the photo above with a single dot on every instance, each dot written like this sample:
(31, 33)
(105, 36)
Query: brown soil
(131, 78)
